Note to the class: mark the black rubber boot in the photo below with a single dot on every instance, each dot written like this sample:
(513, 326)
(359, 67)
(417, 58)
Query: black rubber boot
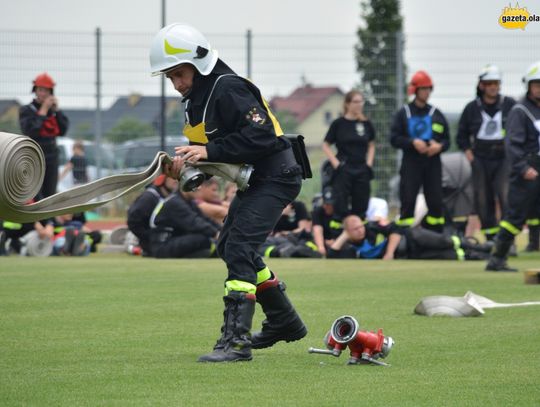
(235, 342)
(282, 323)
(497, 261)
(534, 239)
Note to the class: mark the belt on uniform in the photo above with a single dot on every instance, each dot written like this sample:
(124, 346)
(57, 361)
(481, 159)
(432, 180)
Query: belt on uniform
(282, 163)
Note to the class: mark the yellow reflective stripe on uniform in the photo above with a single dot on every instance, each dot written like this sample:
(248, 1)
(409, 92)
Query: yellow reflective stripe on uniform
(405, 222)
(312, 246)
(334, 224)
(58, 229)
(460, 218)
(12, 225)
(264, 274)
(437, 127)
(432, 220)
(491, 231)
(268, 251)
(380, 238)
(457, 242)
(460, 254)
(237, 285)
(275, 123)
(533, 222)
(511, 228)
(156, 211)
(196, 134)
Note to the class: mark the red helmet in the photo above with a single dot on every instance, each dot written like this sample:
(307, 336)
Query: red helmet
(420, 79)
(43, 80)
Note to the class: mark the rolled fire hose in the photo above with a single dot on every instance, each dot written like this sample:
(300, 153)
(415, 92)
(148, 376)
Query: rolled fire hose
(22, 169)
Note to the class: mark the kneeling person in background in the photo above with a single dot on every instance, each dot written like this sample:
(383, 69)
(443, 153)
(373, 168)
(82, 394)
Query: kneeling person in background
(180, 229)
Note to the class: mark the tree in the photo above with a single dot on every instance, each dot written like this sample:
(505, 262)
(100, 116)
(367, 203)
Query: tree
(287, 121)
(10, 125)
(379, 56)
(175, 122)
(129, 128)
(84, 131)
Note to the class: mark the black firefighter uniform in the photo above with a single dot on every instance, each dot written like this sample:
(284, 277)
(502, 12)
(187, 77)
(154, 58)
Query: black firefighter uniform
(419, 170)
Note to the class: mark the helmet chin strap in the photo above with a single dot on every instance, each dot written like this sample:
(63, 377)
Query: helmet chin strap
(187, 93)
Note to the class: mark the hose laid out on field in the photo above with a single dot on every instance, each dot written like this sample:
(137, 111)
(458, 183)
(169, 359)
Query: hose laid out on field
(22, 169)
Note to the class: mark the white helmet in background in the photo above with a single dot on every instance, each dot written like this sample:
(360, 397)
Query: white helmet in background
(178, 44)
(490, 73)
(532, 74)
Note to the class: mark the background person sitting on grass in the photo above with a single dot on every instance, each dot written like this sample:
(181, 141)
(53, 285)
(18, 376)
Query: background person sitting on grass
(377, 241)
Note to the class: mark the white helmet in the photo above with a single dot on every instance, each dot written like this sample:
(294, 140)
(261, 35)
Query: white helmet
(178, 44)
(490, 73)
(532, 74)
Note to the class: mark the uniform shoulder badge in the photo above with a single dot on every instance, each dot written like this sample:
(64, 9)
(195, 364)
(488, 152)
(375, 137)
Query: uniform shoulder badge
(255, 116)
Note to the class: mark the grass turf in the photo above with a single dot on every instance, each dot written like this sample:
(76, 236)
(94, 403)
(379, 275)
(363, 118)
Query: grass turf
(116, 330)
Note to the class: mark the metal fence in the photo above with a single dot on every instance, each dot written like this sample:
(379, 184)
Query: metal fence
(276, 63)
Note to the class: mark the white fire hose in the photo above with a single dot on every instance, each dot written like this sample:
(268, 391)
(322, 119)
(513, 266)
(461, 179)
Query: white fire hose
(22, 169)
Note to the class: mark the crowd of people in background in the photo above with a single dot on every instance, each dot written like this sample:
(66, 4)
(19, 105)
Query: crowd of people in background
(498, 136)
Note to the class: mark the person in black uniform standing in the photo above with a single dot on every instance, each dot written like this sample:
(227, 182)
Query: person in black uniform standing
(523, 149)
(228, 121)
(421, 131)
(354, 137)
(43, 121)
(481, 137)
(77, 164)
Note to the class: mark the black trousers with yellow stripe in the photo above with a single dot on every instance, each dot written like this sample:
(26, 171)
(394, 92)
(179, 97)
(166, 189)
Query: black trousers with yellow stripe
(490, 182)
(252, 215)
(522, 194)
(427, 173)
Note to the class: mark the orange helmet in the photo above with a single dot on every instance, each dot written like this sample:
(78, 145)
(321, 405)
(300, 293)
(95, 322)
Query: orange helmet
(420, 79)
(43, 80)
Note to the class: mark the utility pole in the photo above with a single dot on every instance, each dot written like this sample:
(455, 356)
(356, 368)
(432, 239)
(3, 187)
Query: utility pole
(163, 124)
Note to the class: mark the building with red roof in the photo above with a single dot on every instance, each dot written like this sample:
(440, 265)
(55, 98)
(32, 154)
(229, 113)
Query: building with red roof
(313, 109)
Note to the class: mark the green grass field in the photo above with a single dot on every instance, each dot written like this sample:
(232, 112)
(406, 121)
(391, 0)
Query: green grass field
(114, 330)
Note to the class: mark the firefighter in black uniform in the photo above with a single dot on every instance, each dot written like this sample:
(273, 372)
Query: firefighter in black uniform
(327, 226)
(43, 121)
(140, 211)
(228, 121)
(481, 137)
(379, 240)
(421, 131)
(523, 150)
(354, 135)
(533, 224)
(179, 228)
